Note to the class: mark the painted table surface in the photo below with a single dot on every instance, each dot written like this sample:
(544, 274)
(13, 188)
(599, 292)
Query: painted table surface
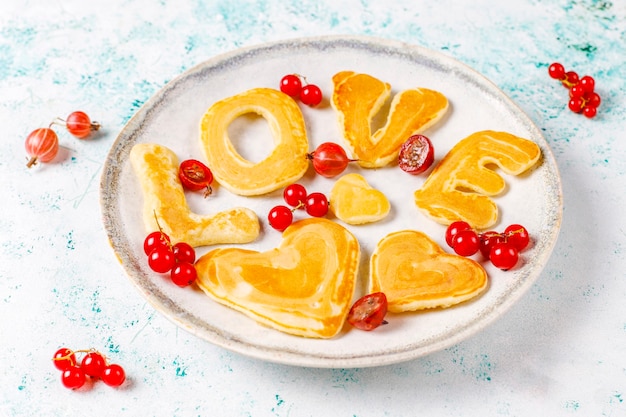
(558, 352)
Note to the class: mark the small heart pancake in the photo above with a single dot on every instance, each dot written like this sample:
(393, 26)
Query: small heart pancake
(287, 161)
(156, 168)
(354, 201)
(460, 185)
(304, 287)
(357, 98)
(415, 273)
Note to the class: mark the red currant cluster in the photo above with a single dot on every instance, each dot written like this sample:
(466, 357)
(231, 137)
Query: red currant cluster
(93, 364)
(502, 249)
(329, 159)
(42, 144)
(583, 98)
(293, 86)
(195, 176)
(295, 195)
(177, 259)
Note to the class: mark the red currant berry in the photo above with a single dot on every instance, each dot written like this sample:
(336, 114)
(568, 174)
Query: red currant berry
(316, 204)
(368, 312)
(517, 235)
(576, 91)
(466, 243)
(280, 217)
(556, 71)
(184, 252)
(311, 95)
(503, 255)
(416, 154)
(487, 240)
(576, 104)
(73, 377)
(183, 274)
(587, 84)
(80, 125)
(113, 375)
(92, 364)
(329, 159)
(291, 85)
(589, 111)
(64, 358)
(294, 195)
(161, 259)
(571, 79)
(154, 240)
(455, 228)
(593, 100)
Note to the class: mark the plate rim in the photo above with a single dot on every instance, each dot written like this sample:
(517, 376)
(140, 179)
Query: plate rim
(179, 316)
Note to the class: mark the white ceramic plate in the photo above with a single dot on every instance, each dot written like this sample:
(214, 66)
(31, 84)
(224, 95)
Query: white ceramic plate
(172, 118)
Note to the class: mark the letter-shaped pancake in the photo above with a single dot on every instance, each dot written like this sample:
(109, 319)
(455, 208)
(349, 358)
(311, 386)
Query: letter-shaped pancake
(357, 98)
(156, 168)
(287, 161)
(304, 287)
(460, 185)
(415, 273)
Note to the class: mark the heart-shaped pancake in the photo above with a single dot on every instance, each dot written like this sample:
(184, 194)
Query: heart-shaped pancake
(415, 273)
(354, 201)
(303, 287)
(357, 98)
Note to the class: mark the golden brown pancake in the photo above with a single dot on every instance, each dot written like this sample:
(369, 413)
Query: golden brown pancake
(415, 273)
(460, 186)
(354, 201)
(357, 98)
(156, 168)
(303, 287)
(287, 162)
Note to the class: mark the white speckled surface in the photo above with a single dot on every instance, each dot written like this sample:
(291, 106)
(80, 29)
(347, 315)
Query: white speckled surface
(557, 352)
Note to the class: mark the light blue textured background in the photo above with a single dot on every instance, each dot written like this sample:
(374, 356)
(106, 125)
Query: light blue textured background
(559, 352)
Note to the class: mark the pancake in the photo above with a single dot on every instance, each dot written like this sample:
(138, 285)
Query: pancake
(416, 274)
(461, 185)
(303, 287)
(354, 201)
(156, 168)
(287, 161)
(357, 98)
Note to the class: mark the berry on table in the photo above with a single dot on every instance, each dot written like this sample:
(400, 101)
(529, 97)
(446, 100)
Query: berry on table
(583, 98)
(42, 145)
(93, 364)
(80, 125)
(113, 375)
